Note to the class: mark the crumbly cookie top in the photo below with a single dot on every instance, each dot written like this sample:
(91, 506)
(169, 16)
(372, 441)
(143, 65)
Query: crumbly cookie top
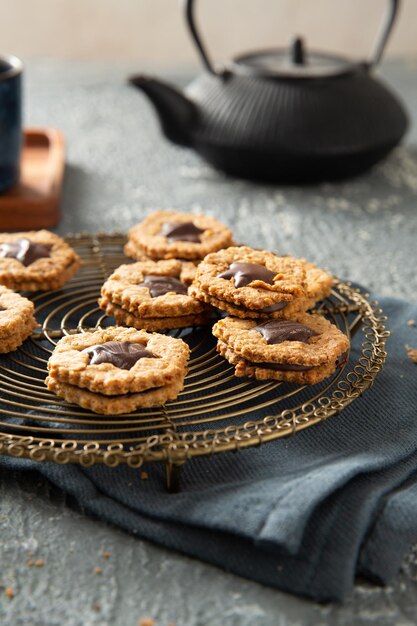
(172, 234)
(269, 279)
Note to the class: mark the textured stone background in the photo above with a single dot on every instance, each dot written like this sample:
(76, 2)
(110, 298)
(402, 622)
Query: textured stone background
(118, 169)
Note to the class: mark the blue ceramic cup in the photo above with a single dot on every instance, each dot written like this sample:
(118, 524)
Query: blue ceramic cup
(10, 120)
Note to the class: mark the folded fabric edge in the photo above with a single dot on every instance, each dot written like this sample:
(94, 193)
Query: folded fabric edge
(393, 533)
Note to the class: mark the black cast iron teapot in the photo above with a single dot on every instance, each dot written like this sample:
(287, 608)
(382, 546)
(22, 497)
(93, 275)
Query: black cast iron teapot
(284, 115)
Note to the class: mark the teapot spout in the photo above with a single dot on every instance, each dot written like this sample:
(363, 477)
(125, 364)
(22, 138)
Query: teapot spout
(176, 113)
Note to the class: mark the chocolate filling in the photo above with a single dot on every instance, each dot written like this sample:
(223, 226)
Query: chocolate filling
(185, 231)
(278, 306)
(117, 395)
(277, 331)
(122, 354)
(342, 359)
(288, 367)
(160, 285)
(25, 251)
(245, 273)
(282, 367)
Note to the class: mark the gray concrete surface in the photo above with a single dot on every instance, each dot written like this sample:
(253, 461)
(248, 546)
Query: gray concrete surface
(118, 169)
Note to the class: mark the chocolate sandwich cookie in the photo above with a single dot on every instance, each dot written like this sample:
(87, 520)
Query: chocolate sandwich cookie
(174, 235)
(153, 295)
(305, 351)
(250, 283)
(36, 261)
(117, 361)
(118, 370)
(16, 319)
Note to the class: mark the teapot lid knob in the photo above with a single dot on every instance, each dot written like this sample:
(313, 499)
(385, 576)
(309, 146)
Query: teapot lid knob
(297, 51)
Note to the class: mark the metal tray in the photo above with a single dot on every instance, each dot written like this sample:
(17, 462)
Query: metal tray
(215, 413)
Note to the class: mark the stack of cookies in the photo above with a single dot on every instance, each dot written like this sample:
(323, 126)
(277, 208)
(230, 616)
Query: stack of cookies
(118, 370)
(16, 319)
(269, 335)
(153, 295)
(305, 350)
(250, 283)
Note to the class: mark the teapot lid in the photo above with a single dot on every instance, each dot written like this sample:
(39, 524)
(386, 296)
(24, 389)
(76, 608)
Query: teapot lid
(293, 62)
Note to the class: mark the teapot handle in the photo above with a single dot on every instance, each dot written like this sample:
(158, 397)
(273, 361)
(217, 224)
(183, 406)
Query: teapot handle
(376, 57)
(189, 18)
(386, 29)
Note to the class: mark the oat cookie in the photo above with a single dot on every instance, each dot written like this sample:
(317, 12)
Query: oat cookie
(118, 361)
(117, 370)
(175, 235)
(252, 283)
(305, 350)
(153, 295)
(36, 261)
(16, 319)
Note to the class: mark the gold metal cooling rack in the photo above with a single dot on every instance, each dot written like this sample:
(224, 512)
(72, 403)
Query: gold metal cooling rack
(215, 413)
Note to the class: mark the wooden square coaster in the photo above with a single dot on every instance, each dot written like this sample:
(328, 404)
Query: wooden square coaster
(34, 202)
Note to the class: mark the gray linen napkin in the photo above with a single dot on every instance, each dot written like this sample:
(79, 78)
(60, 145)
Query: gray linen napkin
(306, 514)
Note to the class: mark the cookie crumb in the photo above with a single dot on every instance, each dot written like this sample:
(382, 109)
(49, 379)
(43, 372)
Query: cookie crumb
(98, 570)
(30, 563)
(39, 563)
(96, 607)
(411, 323)
(29, 554)
(105, 555)
(146, 621)
(144, 475)
(412, 353)
(9, 592)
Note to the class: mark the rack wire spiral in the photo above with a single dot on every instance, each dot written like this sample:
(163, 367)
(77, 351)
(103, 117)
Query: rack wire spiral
(215, 413)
